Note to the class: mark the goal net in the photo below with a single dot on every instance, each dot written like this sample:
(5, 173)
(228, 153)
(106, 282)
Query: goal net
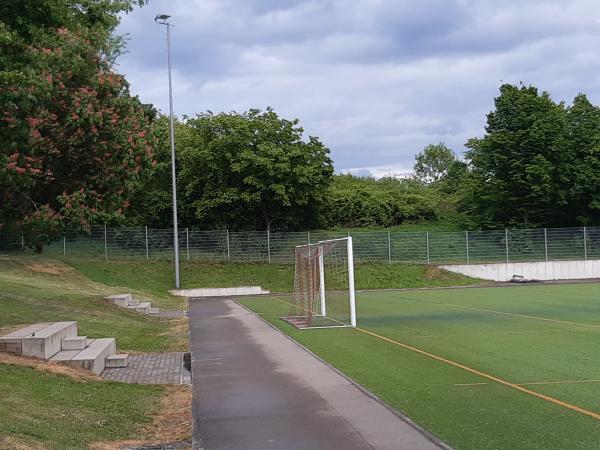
(323, 294)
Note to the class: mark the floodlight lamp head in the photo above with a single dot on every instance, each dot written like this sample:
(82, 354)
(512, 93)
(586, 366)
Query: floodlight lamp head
(161, 18)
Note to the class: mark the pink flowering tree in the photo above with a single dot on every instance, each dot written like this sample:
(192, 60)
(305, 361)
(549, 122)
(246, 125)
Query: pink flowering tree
(73, 141)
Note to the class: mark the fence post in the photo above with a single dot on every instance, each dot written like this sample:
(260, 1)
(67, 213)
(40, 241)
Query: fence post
(228, 255)
(389, 247)
(187, 242)
(546, 243)
(269, 244)
(64, 244)
(584, 242)
(308, 234)
(427, 237)
(467, 244)
(147, 252)
(506, 242)
(22, 241)
(105, 243)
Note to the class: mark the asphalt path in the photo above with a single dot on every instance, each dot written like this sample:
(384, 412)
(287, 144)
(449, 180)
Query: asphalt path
(254, 388)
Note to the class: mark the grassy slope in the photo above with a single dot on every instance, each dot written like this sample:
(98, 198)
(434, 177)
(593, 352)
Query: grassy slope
(38, 408)
(514, 348)
(36, 290)
(157, 276)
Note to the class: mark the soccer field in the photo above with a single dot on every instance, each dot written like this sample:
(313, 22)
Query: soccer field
(482, 368)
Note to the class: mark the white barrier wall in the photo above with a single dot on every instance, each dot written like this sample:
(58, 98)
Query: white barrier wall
(548, 270)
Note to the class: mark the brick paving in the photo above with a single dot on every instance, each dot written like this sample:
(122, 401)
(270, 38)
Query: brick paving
(151, 368)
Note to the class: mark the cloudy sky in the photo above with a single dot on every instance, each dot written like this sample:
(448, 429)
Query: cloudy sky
(375, 80)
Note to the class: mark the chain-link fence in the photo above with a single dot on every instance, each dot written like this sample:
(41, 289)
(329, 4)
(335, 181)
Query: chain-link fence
(369, 246)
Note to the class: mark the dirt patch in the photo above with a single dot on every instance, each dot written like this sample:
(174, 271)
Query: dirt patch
(50, 367)
(171, 423)
(18, 444)
(179, 332)
(435, 273)
(49, 268)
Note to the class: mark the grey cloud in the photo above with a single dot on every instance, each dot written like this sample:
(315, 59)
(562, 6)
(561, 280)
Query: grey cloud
(375, 80)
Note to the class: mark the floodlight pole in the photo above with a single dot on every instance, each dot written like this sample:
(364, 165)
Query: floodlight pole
(162, 20)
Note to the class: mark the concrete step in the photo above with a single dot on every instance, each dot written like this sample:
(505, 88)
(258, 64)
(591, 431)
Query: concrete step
(154, 311)
(143, 307)
(11, 342)
(47, 341)
(133, 302)
(93, 357)
(120, 299)
(117, 360)
(75, 343)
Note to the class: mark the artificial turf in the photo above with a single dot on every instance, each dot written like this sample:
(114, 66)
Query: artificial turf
(523, 335)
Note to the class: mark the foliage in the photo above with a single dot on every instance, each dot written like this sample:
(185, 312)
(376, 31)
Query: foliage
(74, 140)
(433, 162)
(241, 171)
(537, 165)
(358, 202)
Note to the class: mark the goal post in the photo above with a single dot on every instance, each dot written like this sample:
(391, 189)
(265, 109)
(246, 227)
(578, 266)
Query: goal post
(324, 294)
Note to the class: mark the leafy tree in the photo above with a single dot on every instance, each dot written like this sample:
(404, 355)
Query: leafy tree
(358, 202)
(433, 162)
(245, 171)
(74, 140)
(583, 170)
(519, 174)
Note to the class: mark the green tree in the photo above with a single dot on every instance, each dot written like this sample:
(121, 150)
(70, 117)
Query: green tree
(583, 169)
(519, 168)
(433, 162)
(246, 171)
(74, 140)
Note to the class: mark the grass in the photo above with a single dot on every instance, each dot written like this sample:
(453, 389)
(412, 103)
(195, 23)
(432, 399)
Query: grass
(44, 410)
(485, 329)
(37, 290)
(156, 276)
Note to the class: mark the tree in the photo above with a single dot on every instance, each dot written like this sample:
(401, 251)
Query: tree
(250, 171)
(520, 167)
(74, 140)
(433, 162)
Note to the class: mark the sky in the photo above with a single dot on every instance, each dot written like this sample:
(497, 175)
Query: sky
(375, 80)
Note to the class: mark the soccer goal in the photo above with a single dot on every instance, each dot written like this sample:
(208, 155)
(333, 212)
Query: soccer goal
(323, 294)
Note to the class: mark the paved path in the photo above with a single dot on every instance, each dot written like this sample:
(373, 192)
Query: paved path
(151, 368)
(256, 389)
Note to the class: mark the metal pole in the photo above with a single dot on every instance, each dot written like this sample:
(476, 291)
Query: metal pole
(172, 139)
(269, 245)
(389, 247)
(228, 255)
(322, 281)
(427, 237)
(546, 243)
(584, 242)
(467, 244)
(105, 244)
(147, 252)
(187, 242)
(351, 283)
(308, 234)
(64, 244)
(22, 241)
(506, 242)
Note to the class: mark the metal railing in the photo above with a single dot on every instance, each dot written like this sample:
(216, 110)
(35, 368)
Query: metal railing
(389, 246)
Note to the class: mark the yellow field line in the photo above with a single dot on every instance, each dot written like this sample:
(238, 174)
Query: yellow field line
(487, 334)
(517, 387)
(536, 383)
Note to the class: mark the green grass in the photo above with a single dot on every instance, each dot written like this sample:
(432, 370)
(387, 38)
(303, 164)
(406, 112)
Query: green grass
(451, 323)
(156, 276)
(38, 408)
(37, 290)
